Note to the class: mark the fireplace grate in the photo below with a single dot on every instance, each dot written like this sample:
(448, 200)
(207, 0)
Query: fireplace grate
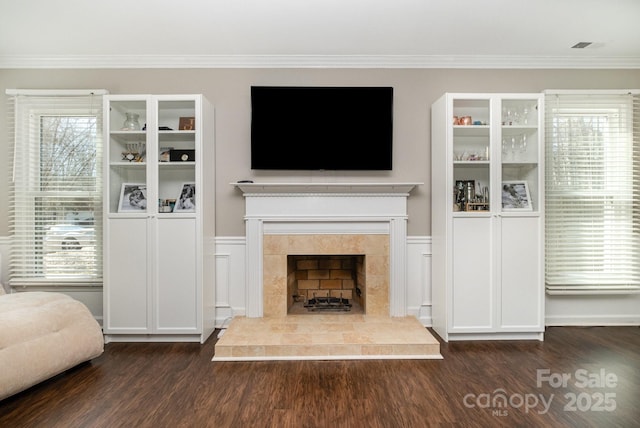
(328, 304)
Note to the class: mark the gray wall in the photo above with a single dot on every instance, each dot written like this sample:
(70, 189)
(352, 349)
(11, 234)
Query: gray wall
(228, 90)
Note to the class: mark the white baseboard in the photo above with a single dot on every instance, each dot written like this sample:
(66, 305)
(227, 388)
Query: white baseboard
(592, 321)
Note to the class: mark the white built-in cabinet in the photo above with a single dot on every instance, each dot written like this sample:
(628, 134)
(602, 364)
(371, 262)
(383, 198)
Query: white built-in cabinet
(488, 216)
(159, 285)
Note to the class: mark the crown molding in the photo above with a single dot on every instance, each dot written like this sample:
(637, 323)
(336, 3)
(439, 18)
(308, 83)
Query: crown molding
(315, 61)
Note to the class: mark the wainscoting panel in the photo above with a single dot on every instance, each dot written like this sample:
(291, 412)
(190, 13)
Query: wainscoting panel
(230, 259)
(419, 278)
(230, 279)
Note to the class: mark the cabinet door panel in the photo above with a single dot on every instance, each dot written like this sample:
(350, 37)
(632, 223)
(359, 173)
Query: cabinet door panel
(521, 296)
(176, 299)
(472, 298)
(126, 296)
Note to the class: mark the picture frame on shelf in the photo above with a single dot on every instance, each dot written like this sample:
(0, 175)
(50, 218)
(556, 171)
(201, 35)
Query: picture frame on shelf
(164, 154)
(516, 196)
(186, 201)
(133, 197)
(187, 124)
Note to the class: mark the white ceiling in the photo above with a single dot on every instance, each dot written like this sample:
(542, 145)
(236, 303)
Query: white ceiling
(319, 33)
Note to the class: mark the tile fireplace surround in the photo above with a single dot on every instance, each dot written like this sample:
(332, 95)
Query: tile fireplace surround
(286, 219)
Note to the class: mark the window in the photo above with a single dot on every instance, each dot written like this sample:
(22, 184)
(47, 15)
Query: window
(592, 192)
(56, 197)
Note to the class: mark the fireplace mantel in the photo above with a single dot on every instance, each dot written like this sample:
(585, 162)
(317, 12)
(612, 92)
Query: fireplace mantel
(356, 188)
(326, 208)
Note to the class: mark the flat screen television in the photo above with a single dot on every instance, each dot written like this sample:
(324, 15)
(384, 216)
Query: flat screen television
(321, 128)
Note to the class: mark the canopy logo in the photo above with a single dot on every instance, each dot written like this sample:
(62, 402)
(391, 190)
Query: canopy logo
(499, 402)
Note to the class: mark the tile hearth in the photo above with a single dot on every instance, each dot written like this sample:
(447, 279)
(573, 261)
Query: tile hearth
(326, 337)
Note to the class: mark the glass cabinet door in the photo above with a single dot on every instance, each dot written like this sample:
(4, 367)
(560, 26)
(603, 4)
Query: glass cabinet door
(126, 153)
(471, 155)
(175, 155)
(520, 154)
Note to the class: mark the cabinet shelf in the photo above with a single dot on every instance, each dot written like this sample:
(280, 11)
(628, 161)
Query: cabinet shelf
(467, 214)
(129, 136)
(520, 163)
(522, 127)
(471, 163)
(185, 164)
(127, 164)
(175, 215)
(166, 136)
(471, 130)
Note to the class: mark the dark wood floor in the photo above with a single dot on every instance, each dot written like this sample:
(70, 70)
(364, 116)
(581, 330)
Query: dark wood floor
(176, 385)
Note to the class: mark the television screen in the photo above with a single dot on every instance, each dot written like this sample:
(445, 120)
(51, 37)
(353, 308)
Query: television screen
(321, 128)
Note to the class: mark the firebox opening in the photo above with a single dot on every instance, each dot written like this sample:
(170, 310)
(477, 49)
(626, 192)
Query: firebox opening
(326, 284)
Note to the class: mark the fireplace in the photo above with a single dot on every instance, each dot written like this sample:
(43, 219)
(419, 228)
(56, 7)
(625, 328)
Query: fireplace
(301, 219)
(370, 251)
(326, 283)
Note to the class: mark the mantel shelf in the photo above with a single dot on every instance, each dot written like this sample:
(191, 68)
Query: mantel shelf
(290, 188)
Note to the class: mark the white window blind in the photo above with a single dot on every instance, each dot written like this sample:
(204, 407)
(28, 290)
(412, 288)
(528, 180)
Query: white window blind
(592, 192)
(56, 188)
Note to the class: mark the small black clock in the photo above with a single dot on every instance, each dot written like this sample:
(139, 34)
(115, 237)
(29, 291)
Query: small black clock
(182, 155)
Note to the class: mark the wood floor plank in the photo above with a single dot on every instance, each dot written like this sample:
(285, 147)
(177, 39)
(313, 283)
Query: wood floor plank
(177, 385)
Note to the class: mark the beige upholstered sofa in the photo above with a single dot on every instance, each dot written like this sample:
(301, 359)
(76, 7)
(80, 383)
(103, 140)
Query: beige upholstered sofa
(43, 334)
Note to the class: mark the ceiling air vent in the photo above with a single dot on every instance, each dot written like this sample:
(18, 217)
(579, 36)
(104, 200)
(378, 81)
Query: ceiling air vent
(581, 45)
